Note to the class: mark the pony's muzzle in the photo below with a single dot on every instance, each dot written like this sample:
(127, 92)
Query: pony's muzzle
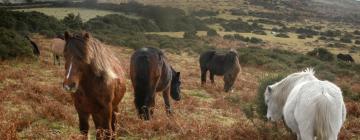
(70, 87)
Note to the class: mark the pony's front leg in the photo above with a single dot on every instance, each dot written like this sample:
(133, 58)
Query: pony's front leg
(203, 76)
(84, 123)
(113, 122)
(167, 101)
(212, 77)
(54, 56)
(58, 59)
(103, 120)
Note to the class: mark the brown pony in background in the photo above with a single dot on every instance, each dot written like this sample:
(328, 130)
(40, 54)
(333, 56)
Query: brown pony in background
(96, 80)
(150, 72)
(57, 48)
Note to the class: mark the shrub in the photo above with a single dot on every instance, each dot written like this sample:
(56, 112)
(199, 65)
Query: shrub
(322, 38)
(241, 26)
(356, 32)
(326, 75)
(337, 45)
(212, 32)
(322, 54)
(357, 41)
(349, 94)
(301, 36)
(166, 18)
(281, 60)
(255, 40)
(345, 40)
(331, 33)
(284, 29)
(282, 35)
(266, 21)
(204, 13)
(261, 108)
(259, 32)
(13, 45)
(72, 21)
(118, 24)
(229, 37)
(306, 31)
(190, 35)
(240, 37)
(25, 22)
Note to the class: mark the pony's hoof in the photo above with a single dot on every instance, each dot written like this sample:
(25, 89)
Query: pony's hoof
(169, 112)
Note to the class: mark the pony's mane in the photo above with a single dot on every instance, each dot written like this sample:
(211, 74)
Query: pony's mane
(93, 52)
(309, 70)
(285, 86)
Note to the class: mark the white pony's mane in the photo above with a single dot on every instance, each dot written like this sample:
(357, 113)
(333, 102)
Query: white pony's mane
(283, 88)
(309, 70)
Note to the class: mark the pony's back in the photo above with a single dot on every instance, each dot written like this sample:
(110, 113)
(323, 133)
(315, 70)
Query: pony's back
(57, 46)
(319, 110)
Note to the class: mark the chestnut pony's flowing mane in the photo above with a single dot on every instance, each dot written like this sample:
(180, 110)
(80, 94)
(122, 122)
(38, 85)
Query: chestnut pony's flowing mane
(91, 51)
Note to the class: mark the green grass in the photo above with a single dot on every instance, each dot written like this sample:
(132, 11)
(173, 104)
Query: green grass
(200, 94)
(85, 14)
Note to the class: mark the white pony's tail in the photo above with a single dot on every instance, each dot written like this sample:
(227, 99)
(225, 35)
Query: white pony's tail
(322, 118)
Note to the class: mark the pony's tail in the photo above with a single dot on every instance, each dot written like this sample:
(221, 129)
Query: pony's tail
(322, 118)
(142, 78)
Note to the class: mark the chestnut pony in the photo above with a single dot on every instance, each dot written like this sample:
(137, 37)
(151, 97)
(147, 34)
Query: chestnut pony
(96, 80)
(150, 72)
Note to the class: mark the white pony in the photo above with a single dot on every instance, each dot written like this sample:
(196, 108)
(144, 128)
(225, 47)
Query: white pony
(311, 108)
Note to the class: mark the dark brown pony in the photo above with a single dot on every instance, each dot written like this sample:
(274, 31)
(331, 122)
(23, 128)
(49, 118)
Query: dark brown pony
(217, 63)
(150, 73)
(94, 76)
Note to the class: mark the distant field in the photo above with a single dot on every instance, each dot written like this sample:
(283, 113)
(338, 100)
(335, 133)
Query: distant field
(85, 14)
(292, 43)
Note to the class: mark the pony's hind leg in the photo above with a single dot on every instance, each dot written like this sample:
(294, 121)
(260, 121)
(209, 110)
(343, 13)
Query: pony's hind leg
(167, 101)
(146, 111)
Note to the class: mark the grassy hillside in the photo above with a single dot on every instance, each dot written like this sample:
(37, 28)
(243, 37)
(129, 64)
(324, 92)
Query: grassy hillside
(85, 14)
(34, 106)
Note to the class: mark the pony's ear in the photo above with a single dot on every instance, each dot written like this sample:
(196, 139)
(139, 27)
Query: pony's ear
(67, 35)
(269, 89)
(86, 35)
